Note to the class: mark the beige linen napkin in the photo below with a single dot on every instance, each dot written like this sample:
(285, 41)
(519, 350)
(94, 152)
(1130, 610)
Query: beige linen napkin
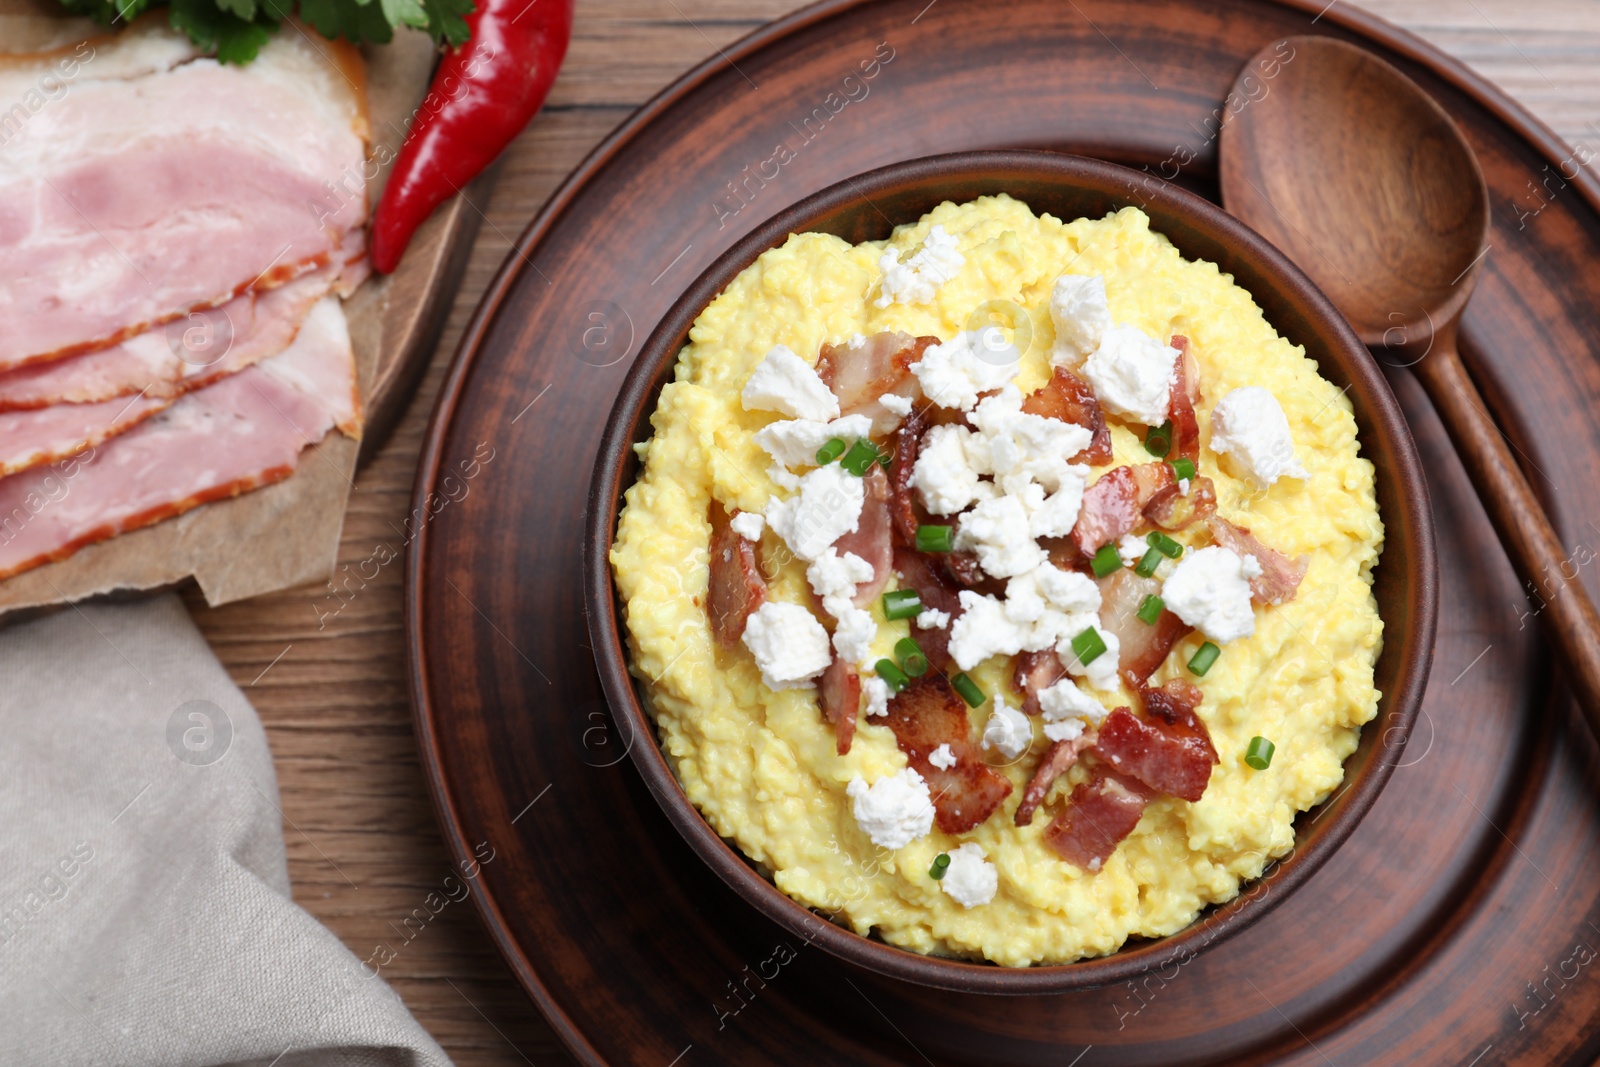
(145, 916)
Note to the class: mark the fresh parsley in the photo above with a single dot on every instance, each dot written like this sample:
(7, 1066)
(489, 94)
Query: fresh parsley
(236, 29)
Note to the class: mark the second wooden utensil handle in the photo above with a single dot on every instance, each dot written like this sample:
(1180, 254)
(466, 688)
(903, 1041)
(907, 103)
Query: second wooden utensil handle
(1535, 550)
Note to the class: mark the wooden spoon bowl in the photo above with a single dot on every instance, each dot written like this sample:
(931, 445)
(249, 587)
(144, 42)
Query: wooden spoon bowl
(866, 208)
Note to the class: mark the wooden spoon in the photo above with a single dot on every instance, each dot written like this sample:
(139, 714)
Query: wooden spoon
(1362, 179)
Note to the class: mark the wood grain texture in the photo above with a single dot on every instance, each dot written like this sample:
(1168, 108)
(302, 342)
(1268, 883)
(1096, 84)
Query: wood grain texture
(363, 845)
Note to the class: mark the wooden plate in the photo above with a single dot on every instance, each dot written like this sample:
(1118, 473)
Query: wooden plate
(1459, 922)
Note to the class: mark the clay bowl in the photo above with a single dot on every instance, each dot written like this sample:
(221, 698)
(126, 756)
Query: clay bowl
(866, 208)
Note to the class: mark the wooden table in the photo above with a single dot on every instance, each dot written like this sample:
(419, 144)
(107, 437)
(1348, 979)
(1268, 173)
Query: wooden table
(363, 848)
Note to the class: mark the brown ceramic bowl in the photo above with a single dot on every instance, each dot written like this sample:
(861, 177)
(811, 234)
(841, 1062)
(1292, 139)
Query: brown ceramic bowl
(1068, 187)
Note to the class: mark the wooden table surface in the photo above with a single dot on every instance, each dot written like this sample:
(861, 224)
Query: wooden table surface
(363, 847)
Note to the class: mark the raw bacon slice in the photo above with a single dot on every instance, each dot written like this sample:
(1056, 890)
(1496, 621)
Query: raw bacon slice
(243, 432)
(927, 714)
(840, 695)
(1058, 760)
(1099, 815)
(735, 588)
(175, 359)
(155, 188)
(1172, 509)
(919, 572)
(30, 438)
(1170, 750)
(1280, 576)
(1180, 405)
(1034, 672)
(1069, 398)
(1142, 647)
(880, 364)
(902, 498)
(872, 539)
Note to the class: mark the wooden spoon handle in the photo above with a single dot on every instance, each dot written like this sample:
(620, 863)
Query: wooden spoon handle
(1535, 550)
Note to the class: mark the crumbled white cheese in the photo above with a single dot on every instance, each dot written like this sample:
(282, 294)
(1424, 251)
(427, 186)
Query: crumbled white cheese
(893, 811)
(984, 630)
(970, 879)
(1101, 671)
(896, 404)
(789, 645)
(933, 619)
(943, 473)
(1056, 514)
(795, 442)
(827, 507)
(917, 280)
(998, 531)
(1052, 602)
(1007, 731)
(854, 635)
(1067, 591)
(1249, 425)
(1078, 310)
(942, 757)
(1131, 549)
(1064, 702)
(1065, 730)
(1183, 486)
(876, 690)
(787, 384)
(1250, 567)
(1132, 373)
(748, 525)
(955, 372)
(782, 478)
(1019, 447)
(1209, 590)
(834, 577)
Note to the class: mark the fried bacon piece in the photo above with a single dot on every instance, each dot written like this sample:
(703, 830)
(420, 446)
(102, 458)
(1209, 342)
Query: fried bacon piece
(873, 537)
(927, 714)
(1142, 647)
(1180, 405)
(1069, 398)
(840, 695)
(1110, 509)
(1035, 672)
(736, 588)
(1058, 760)
(923, 574)
(881, 364)
(1099, 815)
(1280, 576)
(1172, 509)
(1169, 749)
(902, 499)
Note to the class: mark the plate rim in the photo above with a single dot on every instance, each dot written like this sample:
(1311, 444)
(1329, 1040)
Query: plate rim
(425, 721)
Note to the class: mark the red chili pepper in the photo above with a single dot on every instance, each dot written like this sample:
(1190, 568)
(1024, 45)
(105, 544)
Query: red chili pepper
(482, 96)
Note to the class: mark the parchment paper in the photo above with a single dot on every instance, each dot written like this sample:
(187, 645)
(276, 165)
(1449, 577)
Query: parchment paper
(280, 536)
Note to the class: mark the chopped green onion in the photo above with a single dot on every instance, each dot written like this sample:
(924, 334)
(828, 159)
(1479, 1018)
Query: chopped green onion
(894, 676)
(1183, 467)
(862, 455)
(1259, 754)
(1158, 440)
(969, 690)
(1105, 561)
(1203, 659)
(909, 653)
(830, 451)
(936, 538)
(902, 604)
(1164, 544)
(1147, 565)
(941, 863)
(1150, 610)
(1087, 646)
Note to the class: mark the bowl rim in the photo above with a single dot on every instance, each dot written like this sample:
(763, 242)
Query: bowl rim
(1398, 707)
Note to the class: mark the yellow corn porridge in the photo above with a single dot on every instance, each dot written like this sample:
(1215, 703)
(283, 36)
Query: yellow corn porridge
(762, 764)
